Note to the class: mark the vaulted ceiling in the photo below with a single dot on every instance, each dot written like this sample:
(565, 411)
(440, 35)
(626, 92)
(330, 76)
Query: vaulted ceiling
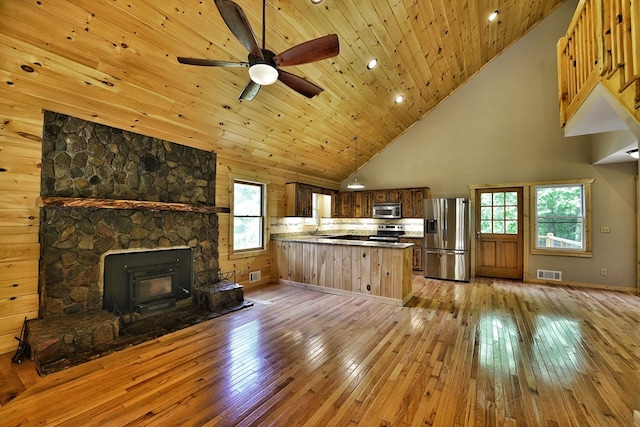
(115, 61)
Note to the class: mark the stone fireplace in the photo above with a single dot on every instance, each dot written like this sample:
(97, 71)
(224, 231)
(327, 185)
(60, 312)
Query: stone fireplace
(119, 204)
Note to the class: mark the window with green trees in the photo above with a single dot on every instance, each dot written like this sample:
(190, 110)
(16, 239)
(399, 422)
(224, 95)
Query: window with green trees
(561, 219)
(248, 215)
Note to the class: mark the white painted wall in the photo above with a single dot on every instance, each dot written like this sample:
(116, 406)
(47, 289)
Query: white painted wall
(503, 126)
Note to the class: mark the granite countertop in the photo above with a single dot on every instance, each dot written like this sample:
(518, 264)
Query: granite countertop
(337, 241)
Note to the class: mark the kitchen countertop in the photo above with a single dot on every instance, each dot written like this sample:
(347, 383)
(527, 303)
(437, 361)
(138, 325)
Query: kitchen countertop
(337, 241)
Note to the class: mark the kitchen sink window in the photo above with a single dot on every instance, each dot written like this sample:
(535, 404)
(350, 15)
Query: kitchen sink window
(562, 218)
(248, 216)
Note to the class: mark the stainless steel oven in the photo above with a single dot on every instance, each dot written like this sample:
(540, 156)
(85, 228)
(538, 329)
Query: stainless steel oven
(387, 210)
(388, 233)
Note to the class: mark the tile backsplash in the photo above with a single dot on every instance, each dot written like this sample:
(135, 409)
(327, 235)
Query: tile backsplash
(296, 225)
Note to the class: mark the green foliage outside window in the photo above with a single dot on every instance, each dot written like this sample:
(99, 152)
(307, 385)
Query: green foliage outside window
(248, 218)
(560, 216)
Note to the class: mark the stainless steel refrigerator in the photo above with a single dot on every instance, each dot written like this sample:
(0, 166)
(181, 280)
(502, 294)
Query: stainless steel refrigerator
(447, 239)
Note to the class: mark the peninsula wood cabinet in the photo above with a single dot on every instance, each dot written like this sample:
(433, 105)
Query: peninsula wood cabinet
(381, 272)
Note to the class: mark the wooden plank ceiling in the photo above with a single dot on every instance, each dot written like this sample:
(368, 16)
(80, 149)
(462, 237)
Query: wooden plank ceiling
(115, 61)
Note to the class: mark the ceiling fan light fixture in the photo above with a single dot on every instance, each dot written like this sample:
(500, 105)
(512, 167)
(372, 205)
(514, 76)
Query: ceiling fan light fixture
(263, 74)
(633, 153)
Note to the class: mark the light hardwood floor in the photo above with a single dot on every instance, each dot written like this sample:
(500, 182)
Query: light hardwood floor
(461, 354)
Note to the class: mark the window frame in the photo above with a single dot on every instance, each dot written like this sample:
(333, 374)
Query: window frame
(586, 251)
(263, 206)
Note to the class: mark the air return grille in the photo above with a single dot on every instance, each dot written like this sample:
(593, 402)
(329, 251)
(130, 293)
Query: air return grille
(549, 275)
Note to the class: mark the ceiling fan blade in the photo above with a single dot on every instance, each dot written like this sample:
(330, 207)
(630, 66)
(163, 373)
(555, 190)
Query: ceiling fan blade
(300, 85)
(210, 62)
(250, 91)
(310, 51)
(238, 23)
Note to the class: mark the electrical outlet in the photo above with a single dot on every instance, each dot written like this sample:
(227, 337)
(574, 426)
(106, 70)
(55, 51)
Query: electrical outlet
(603, 271)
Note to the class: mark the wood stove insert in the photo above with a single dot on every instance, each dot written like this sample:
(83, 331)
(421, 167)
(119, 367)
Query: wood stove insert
(146, 281)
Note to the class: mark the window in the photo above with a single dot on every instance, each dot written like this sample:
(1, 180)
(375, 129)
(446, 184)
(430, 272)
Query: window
(320, 208)
(248, 215)
(561, 220)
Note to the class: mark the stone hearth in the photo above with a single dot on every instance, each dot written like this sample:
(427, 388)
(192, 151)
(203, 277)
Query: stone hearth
(63, 341)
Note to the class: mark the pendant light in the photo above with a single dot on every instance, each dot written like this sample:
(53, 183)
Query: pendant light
(355, 185)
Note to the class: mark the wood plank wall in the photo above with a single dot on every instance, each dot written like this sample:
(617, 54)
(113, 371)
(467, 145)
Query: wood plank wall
(20, 153)
(275, 180)
(21, 122)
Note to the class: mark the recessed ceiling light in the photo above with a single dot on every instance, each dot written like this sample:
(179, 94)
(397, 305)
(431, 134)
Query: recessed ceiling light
(399, 99)
(316, 1)
(373, 62)
(493, 15)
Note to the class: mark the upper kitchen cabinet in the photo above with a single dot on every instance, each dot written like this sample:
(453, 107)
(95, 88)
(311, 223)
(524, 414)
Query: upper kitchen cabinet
(359, 204)
(387, 196)
(299, 198)
(412, 199)
(342, 205)
(363, 204)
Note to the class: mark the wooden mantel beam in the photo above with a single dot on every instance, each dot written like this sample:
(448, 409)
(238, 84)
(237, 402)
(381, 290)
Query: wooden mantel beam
(73, 202)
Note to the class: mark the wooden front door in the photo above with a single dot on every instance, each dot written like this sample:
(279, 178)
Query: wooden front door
(499, 232)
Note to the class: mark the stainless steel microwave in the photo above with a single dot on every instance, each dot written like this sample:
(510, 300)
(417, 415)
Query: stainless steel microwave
(387, 210)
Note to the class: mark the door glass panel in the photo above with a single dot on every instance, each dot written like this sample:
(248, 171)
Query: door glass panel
(499, 212)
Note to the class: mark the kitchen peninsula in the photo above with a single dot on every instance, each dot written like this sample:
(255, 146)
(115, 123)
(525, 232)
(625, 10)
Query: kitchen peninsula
(376, 270)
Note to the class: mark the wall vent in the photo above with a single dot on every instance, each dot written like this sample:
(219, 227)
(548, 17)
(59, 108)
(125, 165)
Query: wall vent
(254, 276)
(550, 275)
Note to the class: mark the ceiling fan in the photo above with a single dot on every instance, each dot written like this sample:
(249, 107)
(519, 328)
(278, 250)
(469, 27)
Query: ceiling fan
(263, 64)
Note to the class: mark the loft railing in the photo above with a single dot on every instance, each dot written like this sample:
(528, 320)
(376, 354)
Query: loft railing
(602, 44)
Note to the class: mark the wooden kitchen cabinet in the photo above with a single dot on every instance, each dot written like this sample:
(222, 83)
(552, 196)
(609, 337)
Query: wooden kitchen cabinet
(416, 263)
(359, 204)
(299, 198)
(387, 196)
(342, 205)
(363, 204)
(412, 202)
